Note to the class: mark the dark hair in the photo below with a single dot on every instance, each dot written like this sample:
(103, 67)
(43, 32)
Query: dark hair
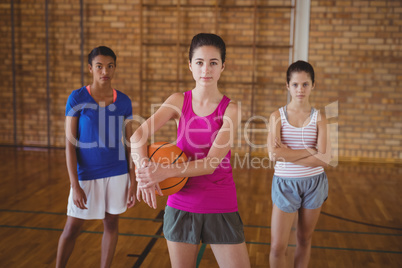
(102, 50)
(300, 66)
(207, 39)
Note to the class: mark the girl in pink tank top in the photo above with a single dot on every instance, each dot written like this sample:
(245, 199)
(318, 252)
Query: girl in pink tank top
(205, 210)
(219, 195)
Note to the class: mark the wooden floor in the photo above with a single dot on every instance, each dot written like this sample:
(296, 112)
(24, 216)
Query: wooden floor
(360, 225)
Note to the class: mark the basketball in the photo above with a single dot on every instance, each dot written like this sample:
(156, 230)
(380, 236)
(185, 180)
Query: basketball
(167, 153)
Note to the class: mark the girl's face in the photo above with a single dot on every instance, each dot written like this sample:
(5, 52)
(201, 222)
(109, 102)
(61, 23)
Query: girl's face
(206, 65)
(102, 69)
(300, 86)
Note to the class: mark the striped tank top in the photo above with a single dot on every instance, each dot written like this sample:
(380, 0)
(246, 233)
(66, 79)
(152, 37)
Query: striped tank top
(298, 138)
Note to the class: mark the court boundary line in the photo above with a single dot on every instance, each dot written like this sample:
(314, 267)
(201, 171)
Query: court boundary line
(359, 222)
(245, 225)
(160, 236)
(141, 258)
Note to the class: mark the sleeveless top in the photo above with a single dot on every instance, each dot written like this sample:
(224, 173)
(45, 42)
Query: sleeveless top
(298, 138)
(214, 193)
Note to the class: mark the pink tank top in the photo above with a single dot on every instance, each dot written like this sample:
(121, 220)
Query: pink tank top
(214, 193)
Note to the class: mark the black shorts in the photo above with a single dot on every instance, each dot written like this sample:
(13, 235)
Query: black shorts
(211, 228)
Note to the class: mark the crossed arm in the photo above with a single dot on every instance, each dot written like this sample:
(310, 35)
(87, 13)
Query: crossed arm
(310, 157)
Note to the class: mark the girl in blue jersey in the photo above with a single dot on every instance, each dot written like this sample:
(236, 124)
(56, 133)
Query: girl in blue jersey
(299, 144)
(97, 161)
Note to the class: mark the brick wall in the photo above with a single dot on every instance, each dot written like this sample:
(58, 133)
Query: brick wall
(354, 46)
(6, 70)
(114, 25)
(356, 49)
(30, 61)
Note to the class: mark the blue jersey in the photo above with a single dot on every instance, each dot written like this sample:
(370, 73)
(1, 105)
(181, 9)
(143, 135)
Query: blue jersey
(100, 149)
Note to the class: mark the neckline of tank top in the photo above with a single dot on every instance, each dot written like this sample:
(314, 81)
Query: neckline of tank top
(287, 121)
(214, 112)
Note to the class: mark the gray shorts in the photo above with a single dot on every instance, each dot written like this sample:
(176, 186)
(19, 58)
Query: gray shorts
(193, 228)
(289, 194)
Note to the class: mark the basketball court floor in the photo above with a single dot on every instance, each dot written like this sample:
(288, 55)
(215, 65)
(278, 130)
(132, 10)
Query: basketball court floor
(360, 224)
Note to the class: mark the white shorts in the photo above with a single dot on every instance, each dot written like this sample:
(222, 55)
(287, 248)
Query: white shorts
(103, 195)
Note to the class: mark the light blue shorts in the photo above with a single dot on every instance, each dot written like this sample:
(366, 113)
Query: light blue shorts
(290, 194)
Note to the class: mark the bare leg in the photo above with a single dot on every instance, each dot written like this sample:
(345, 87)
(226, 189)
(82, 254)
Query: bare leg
(308, 219)
(231, 255)
(71, 231)
(290, 252)
(281, 225)
(109, 240)
(182, 255)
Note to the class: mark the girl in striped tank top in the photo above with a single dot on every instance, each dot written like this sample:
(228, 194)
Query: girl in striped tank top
(299, 144)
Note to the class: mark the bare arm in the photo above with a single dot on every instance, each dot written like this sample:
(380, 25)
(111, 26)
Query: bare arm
(170, 109)
(282, 153)
(323, 156)
(204, 166)
(133, 183)
(79, 196)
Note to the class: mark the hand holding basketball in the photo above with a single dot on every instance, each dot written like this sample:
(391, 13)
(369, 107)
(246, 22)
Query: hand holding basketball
(162, 155)
(150, 174)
